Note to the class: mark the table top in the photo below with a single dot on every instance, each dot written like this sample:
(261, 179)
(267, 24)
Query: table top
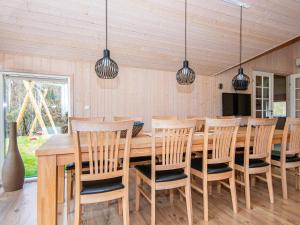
(63, 143)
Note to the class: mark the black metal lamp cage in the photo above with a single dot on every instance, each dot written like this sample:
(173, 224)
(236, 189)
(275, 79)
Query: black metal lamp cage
(106, 68)
(241, 81)
(185, 75)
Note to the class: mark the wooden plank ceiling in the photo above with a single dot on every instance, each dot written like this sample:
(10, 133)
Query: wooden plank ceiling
(147, 33)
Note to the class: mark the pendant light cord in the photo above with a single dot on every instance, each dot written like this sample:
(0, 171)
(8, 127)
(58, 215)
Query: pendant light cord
(106, 23)
(185, 30)
(241, 26)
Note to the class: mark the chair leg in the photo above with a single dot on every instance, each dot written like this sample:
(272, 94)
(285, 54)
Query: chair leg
(77, 215)
(205, 199)
(171, 196)
(125, 203)
(247, 190)
(298, 179)
(188, 199)
(180, 196)
(219, 187)
(153, 205)
(120, 205)
(137, 192)
(270, 185)
(69, 190)
(253, 181)
(283, 182)
(210, 188)
(233, 193)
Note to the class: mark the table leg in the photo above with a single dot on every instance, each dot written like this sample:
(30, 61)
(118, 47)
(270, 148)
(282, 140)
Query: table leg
(60, 184)
(47, 191)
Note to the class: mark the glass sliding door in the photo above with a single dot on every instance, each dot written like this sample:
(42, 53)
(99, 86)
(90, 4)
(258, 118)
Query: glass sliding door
(40, 106)
(263, 94)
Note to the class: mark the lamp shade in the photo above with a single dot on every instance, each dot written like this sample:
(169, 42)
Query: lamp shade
(106, 68)
(240, 81)
(186, 75)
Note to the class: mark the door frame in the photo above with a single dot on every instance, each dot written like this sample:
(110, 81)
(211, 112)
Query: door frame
(271, 91)
(3, 74)
(292, 81)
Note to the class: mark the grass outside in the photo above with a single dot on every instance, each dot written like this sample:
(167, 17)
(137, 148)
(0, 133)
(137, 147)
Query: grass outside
(27, 149)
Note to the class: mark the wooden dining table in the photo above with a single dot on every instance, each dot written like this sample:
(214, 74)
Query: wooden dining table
(58, 151)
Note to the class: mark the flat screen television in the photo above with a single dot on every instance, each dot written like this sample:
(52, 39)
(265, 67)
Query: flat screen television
(234, 104)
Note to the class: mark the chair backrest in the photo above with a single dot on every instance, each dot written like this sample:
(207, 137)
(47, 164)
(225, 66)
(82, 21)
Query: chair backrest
(291, 137)
(73, 118)
(260, 131)
(220, 139)
(103, 147)
(176, 142)
(164, 117)
(200, 122)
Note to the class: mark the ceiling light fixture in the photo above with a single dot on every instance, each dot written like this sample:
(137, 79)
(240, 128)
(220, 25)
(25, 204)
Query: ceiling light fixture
(241, 81)
(106, 68)
(186, 75)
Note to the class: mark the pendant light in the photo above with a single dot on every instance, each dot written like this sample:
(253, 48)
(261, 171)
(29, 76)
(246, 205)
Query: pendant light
(106, 68)
(186, 75)
(241, 80)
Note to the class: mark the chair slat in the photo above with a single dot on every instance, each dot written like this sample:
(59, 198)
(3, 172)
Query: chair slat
(90, 151)
(95, 142)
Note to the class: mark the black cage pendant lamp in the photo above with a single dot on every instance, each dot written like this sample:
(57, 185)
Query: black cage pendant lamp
(106, 68)
(241, 81)
(186, 75)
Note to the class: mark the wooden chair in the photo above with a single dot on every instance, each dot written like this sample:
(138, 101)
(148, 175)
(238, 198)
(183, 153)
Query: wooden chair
(256, 160)
(107, 177)
(174, 138)
(288, 157)
(217, 163)
(142, 160)
(70, 168)
(200, 122)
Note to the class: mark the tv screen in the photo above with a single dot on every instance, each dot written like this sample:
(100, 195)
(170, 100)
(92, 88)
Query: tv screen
(234, 104)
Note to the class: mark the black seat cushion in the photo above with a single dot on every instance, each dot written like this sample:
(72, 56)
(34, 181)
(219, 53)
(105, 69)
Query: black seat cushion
(162, 176)
(71, 166)
(211, 168)
(289, 158)
(101, 186)
(253, 163)
(140, 159)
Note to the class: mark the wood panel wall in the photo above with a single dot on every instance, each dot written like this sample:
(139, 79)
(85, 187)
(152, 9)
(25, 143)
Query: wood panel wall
(296, 55)
(135, 92)
(281, 62)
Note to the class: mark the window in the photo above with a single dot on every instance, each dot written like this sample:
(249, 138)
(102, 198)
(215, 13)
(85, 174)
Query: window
(279, 109)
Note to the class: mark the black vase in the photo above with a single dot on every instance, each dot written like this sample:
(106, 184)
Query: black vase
(13, 171)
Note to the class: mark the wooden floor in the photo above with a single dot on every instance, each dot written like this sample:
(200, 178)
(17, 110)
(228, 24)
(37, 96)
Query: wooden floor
(19, 208)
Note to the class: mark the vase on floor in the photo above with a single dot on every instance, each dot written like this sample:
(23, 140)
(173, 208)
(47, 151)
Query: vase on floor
(13, 170)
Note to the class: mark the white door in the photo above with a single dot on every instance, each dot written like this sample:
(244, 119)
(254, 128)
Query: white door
(263, 94)
(295, 95)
